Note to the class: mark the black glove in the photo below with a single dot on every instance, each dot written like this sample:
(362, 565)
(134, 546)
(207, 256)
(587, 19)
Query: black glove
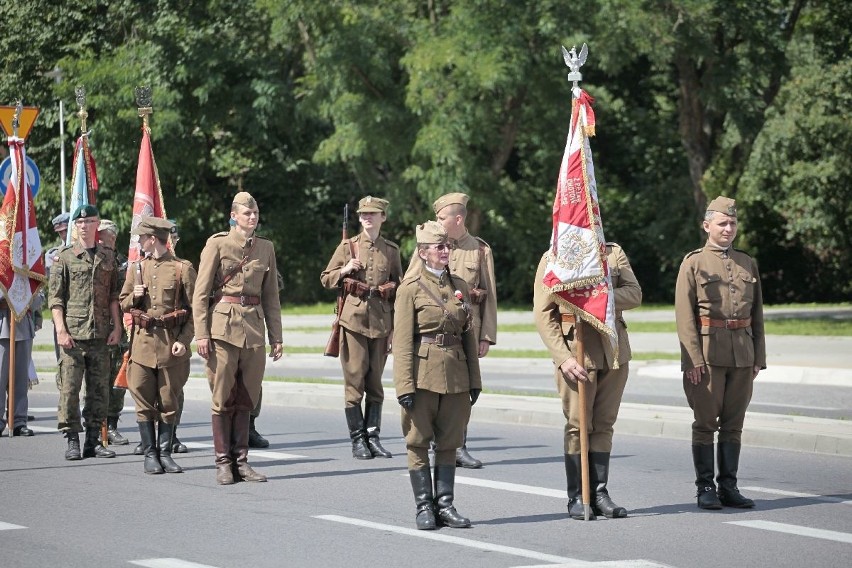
(474, 395)
(406, 400)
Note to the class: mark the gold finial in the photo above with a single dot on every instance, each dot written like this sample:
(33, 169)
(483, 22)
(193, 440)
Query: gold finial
(143, 102)
(80, 92)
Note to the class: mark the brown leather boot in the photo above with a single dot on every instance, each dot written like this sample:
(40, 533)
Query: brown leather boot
(240, 447)
(222, 447)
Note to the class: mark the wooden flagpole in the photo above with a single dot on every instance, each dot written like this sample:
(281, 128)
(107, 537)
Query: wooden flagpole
(584, 427)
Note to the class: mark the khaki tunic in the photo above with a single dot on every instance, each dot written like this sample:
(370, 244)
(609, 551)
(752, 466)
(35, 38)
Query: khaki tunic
(156, 377)
(237, 331)
(365, 323)
(722, 285)
(606, 385)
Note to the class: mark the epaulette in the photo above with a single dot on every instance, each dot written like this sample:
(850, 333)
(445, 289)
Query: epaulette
(696, 251)
(392, 244)
(411, 277)
(56, 251)
(482, 241)
(219, 234)
(262, 237)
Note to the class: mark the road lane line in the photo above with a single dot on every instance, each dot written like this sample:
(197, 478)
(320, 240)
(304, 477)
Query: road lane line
(784, 493)
(437, 536)
(9, 527)
(796, 530)
(639, 563)
(168, 563)
(260, 454)
(515, 487)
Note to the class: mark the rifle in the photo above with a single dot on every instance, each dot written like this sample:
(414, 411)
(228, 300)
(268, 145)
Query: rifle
(332, 347)
(121, 376)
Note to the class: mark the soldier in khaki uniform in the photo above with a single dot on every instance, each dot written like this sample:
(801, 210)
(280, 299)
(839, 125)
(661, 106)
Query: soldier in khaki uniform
(157, 296)
(436, 374)
(719, 312)
(604, 383)
(472, 260)
(236, 293)
(369, 280)
(84, 303)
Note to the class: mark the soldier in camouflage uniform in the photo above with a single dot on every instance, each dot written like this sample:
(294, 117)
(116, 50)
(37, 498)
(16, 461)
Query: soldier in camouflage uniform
(107, 233)
(84, 303)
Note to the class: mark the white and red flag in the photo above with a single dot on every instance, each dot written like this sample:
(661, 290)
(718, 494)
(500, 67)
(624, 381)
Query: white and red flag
(84, 184)
(21, 262)
(148, 198)
(577, 272)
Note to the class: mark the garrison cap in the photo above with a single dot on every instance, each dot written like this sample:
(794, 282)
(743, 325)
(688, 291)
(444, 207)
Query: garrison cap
(724, 205)
(245, 199)
(107, 225)
(450, 199)
(160, 228)
(85, 211)
(61, 219)
(431, 232)
(372, 204)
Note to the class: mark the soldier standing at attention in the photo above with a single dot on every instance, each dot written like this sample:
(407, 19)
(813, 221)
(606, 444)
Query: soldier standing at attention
(236, 293)
(472, 260)
(84, 303)
(719, 313)
(436, 374)
(604, 384)
(369, 280)
(157, 296)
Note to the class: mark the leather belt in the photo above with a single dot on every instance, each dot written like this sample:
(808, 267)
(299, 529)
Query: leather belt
(241, 300)
(727, 324)
(440, 339)
(568, 318)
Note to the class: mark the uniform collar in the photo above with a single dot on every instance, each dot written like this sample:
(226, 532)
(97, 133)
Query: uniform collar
(715, 249)
(239, 239)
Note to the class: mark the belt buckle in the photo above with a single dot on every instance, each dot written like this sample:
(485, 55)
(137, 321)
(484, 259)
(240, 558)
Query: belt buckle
(242, 300)
(729, 324)
(439, 339)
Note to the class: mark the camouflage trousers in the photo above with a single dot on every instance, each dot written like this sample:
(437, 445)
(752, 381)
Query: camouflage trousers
(88, 360)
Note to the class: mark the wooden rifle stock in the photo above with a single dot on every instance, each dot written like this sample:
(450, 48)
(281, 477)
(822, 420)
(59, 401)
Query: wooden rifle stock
(332, 346)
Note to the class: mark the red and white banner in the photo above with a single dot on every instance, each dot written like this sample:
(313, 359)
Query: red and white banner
(21, 262)
(148, 199)
(577, 272)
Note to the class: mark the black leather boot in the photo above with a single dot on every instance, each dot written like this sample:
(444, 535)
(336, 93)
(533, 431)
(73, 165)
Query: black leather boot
(421, 483)
(576, 510)
(729, 461)
(702, 459)
(92, 447)
(445, 486)
(463, 457)
(256, 440)
(599, 474)
(221, 424)
(73, 451)
(139, 450)
(178, 447)
(149, 449)
(357, 433)
(115, 437)
(240, 448)
(166, 441)
(374, 427)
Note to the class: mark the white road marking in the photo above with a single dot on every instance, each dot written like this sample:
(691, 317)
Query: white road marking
(788, 405)
(440, 537)
(9, 527)
(640, 563)
(43, 429)
(796, 530)
(259, 454)
(515, 487)
(784, 493)
(168, 563)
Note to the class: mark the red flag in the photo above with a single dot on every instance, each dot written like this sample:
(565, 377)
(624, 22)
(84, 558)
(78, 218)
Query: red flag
(21, 262)
(148, 199)
(577, 272)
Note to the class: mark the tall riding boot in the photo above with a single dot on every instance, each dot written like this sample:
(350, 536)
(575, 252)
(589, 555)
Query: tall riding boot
(357, 433)
(73, 451)
(178, 447)
(92, 447)
(374, 427)
(149, 449)
(574, 484)
(240, 447)
(113, 434)
(166, 441)
(599, 474)
(729, 461)
(421, 483)
(702, 459)
(221, 424)
(445, 488)
(463, 457)
(256, 440)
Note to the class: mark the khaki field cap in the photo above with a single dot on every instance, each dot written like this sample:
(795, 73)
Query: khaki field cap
(107, 225)
(160, 228)
(84, 211)
(372, 204)
(450, 199)
(723, 205)
(431, 232)
(244, 198)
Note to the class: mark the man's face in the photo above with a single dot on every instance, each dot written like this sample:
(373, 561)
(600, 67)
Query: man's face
(452, 222)
(721, 229)
(87, 229)
(246, 218)
(371, 219)
(107, 238)
(61, 230)
(146, 243)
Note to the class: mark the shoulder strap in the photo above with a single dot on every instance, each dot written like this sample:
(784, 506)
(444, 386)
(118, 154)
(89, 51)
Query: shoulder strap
(437, 300)
(231, 273)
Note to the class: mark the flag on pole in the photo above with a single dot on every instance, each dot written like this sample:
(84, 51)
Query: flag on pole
(148, 198)
(21, 263)
(84, 185)
(577, 272)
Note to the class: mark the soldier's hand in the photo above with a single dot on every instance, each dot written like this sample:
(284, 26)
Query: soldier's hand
(202, 346)
(178, 349)
(114, 336)
(474, 395)
(484, 346)
(353, 265)
(390, 344)
(406, 400)
(694, 375)
(756, 371)
(139, 290)
(276, 350)
(63, 338)
(573, 371)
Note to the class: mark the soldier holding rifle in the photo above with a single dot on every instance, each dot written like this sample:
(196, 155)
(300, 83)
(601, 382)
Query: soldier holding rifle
(367, 270)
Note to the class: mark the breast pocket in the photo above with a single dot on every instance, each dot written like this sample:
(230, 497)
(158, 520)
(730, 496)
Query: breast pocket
(710, 286)
(254, 272)
(169, 297)
(747, 281)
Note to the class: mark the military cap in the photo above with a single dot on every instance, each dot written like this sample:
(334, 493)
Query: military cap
(450, 199)
(372, 204)
(85, 211)
(61, 219)
(245, 199)
(107, 225)
(160, 228)
(431, 232)
(724, 205)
